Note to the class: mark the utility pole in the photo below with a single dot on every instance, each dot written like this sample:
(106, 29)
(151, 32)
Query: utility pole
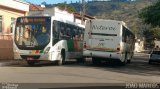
(83, 11)
(65, 6)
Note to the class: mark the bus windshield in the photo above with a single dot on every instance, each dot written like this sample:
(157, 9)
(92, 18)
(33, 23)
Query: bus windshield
(32, 35)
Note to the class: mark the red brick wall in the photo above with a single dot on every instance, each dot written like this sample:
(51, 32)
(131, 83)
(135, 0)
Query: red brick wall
(6, 47)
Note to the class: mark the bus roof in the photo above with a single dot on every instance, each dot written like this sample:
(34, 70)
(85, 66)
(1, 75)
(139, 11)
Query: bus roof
(108, 20)
(57, 19)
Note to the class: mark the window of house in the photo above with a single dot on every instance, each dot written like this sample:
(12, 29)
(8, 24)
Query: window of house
(12, 24)
(0, 23)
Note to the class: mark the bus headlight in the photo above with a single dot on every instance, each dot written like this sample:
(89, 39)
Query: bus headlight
(47, 50)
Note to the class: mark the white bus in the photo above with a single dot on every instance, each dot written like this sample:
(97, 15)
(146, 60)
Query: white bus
(108, 40)
(42, 38)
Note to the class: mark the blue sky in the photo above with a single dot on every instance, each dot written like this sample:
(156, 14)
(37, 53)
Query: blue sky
(52, 1)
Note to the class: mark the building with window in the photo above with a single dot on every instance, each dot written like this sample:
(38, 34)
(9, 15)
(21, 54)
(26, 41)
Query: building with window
(36, 10)
(9, 11)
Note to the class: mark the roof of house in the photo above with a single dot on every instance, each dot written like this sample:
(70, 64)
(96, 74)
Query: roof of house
(78, 15)
(33, 7)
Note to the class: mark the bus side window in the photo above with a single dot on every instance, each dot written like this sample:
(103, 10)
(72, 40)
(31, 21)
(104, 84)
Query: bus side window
(55, 32)
(68, 31)
(55, 29)
(61, 34)
(76, 36)
(81, 34)
(73, 28)
(72, 32)
(62, 31)
(124, 34)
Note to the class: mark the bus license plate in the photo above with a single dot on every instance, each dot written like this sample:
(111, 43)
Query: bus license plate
(29, 58)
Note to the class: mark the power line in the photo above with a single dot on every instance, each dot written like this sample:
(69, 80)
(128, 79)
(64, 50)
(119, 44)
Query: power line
(83, 11)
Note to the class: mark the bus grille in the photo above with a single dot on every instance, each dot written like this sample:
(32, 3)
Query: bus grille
(30, 56)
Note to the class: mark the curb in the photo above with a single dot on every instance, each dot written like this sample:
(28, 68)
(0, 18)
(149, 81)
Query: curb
(9, 62)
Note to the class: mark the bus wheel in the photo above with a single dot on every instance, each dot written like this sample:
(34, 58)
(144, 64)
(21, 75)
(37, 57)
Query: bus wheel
(149, 62)
(62, 59)
(31, 63)
(129, 61)
(96, 61)
(125, 60)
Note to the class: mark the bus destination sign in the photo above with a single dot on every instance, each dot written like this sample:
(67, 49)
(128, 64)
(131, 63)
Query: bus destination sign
(33, 20)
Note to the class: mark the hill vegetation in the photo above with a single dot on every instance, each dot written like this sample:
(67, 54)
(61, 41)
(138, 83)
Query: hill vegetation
(126, 11)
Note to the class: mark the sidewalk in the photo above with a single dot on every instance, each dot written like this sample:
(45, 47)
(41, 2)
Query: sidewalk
(143, 52)
(9, 62)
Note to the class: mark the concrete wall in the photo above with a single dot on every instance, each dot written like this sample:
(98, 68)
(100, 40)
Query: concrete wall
(6, 45)
(15, 4)
(139, 46)
(7, 15)
(157, 43)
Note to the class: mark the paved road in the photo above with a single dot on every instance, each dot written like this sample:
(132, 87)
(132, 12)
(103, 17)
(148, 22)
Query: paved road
(138, 71)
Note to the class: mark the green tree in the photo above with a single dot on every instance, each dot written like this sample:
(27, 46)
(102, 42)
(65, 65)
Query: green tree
(64, 6)
(151, 35)
(156, 32)
(151, 14)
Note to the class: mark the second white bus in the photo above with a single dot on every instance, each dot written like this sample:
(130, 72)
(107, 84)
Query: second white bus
(108, 40)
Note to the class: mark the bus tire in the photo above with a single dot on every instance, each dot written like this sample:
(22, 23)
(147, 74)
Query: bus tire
(149, 62)
(130, 57)
(31, 63)
(125, 60)
(96, 61)
(129, 61)
(62, 59)
(124, 63)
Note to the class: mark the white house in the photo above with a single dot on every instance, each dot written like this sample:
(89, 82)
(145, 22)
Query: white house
(9, 11)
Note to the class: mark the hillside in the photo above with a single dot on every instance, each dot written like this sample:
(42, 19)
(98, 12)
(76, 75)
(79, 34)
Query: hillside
(126, 11)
